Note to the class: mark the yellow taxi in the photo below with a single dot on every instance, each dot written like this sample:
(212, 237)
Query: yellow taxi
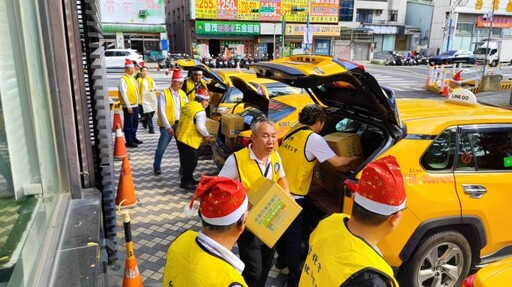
(455, 155)
(493, 275)
(226, 98)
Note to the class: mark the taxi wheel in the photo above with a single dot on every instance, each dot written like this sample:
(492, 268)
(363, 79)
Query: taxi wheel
(441, 259)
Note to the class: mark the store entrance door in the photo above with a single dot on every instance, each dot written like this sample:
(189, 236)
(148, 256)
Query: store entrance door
(214, 46)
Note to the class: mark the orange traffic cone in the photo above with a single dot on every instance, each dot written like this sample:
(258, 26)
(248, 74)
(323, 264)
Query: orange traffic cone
(125, 188)
(131, 276)
(119, 147)
(445, 91)
(117, 119)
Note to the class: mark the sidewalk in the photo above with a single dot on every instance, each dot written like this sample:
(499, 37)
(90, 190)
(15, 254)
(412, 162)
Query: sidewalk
(159, 218)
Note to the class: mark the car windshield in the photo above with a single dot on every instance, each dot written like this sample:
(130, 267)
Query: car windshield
(276, 112)
(449, 53)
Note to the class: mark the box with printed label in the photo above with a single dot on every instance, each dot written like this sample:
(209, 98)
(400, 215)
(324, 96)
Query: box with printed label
(232, 125)
(345, 144)
(213, 128)
(273, 210)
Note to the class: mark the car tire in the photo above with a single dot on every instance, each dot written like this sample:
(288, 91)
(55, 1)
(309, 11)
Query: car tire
(421, 270)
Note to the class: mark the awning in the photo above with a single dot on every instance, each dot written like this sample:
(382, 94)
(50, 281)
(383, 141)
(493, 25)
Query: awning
(133, 28)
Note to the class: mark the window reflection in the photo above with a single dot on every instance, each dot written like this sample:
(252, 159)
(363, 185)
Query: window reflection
(6, 187)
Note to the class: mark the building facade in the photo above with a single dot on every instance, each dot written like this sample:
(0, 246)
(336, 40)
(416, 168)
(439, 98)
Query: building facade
(56, 171)
(135, 24)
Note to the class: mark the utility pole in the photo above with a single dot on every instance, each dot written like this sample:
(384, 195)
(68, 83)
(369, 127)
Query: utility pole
(489, 37)
(283, 25)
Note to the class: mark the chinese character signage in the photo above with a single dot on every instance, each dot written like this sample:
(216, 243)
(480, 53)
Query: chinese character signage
(322, 47)
(321, 11)
(129, 11)
(497, 22)
(227, 28)
(316, 30)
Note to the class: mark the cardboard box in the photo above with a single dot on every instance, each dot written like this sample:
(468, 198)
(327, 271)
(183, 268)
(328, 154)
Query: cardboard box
(213, 128)
(232, 125)
(344, 144)
(273, 210)
(330, 179)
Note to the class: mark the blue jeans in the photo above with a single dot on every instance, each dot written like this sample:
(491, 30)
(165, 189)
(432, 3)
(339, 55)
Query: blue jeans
(163, 142)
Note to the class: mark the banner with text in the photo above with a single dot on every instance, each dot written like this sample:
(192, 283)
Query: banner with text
(316, 30)
(321, 11)
(227, 28)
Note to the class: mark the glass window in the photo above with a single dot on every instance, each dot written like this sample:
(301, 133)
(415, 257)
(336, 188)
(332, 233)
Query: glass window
(346, 10)
(440, 154)
(486, 149)
(29, 163)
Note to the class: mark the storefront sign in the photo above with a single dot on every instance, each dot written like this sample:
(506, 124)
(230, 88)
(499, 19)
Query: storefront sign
(497, 22)
(322, 47)
(230, 28)
(321, 11)
(316, 30)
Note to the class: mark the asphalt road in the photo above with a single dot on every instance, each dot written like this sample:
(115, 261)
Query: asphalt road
(406, 81)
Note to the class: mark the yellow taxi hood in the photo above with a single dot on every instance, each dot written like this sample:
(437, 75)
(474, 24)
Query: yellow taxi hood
(193, 65)
(337, 83)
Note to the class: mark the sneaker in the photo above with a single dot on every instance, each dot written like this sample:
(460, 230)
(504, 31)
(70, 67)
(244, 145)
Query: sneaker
(188, 186)
(157, 171)
(131, 144)
(195, 181)
(151, 132)
(281, 263)
(138, 141)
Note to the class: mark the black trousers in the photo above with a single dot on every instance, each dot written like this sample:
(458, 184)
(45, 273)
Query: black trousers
(131, 121)
(257, 258)
(188, 161)
(289, 246)
(148, 120)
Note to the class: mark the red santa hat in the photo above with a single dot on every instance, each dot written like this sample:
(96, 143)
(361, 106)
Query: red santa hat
(177, 76)
(223, 201)
(141, 64)
(458, 76)
(128, 63)
(203, 93)
(381, 188)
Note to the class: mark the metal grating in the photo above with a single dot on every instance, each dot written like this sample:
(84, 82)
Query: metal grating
(91, 38)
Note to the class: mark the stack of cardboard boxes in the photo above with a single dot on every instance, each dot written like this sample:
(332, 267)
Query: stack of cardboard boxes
(331, 179)
(232, 125)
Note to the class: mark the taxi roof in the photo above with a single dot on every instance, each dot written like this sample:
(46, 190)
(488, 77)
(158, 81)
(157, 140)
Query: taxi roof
(429, 116)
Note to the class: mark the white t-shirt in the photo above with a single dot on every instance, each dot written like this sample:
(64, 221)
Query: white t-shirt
(317, 147)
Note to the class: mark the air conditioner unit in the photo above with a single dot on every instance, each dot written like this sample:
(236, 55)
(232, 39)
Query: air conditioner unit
(378, 12)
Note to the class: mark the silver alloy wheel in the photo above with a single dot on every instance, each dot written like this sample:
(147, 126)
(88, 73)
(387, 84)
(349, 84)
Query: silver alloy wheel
(441, 265)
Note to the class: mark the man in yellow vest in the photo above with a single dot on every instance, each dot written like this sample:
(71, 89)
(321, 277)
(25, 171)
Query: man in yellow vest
(191, 132)
(205, 258)
(129, 99)
(246, 165)
(193, 83)
(300, 150)
(343, 249)
(170, 102)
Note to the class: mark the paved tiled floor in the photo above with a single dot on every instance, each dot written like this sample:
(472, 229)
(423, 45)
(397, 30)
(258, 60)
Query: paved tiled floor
(158, 218)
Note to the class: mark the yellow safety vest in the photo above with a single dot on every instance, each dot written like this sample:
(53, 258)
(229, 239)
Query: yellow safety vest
(132, 92)
(299, 170)
(187, 132)
(190, 88)
(249, 170)
(169, 106)
(151, 85)
(188, 264)
(335, 255)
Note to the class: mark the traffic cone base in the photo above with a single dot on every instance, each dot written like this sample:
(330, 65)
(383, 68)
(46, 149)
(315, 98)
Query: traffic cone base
(445, 91)
(131, 276)
(125, 188)
(119, 146)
